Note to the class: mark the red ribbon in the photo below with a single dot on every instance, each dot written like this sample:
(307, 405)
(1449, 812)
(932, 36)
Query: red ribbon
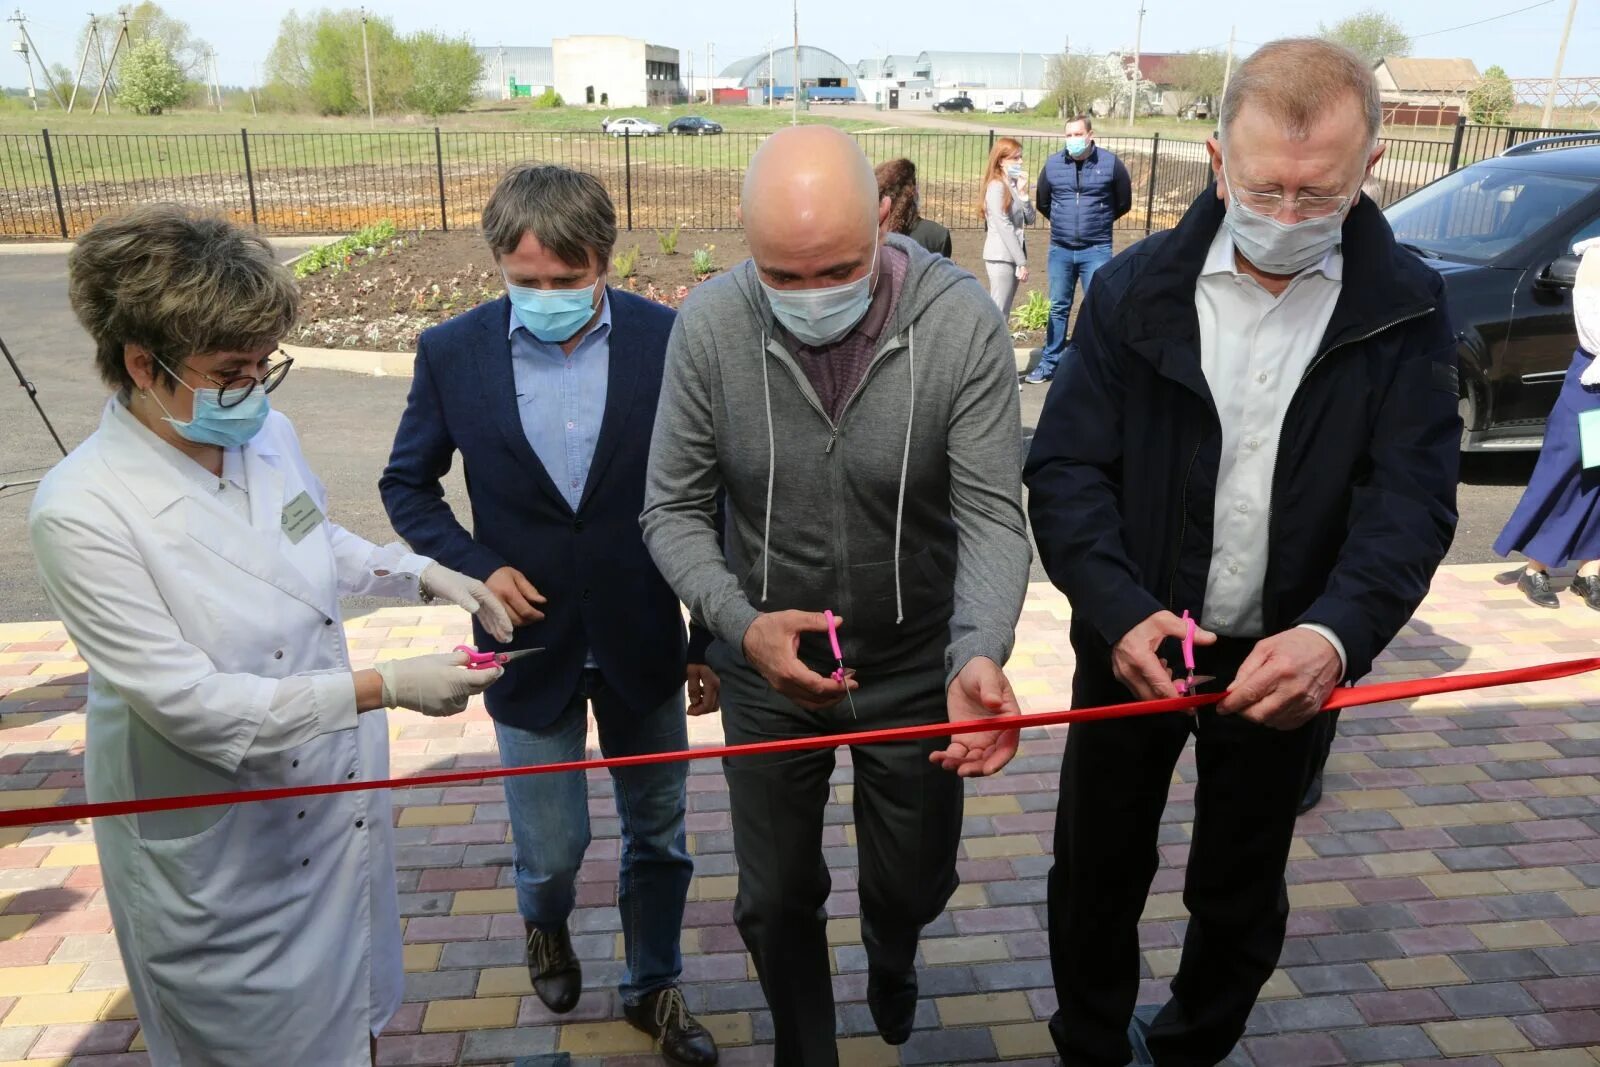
(1342, 698)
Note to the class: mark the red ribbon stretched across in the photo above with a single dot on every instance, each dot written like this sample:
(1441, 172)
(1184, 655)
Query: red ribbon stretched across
(1341, 698)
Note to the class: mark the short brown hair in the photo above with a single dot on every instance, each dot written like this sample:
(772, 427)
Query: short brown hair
(1088, 123)
(1297, 79)
(897, 179)
(178, 284)
(568, 211)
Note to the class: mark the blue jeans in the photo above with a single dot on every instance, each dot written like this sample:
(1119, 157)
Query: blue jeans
(550, 826)
(1067, 267)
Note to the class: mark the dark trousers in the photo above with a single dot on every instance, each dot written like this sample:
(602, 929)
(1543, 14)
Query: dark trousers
(1114, 779)
(908, 828)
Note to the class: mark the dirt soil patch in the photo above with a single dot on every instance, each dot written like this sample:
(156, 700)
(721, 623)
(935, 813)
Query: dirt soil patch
(384, 302)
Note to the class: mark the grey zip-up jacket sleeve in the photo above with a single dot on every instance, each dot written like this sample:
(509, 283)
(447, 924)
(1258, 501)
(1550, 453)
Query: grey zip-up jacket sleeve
(682, 531)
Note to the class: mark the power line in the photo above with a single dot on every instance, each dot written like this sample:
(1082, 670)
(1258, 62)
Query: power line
(1480, 22)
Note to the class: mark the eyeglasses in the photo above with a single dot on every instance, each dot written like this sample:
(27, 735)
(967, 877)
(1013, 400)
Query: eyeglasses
(1270, 204)
(236, 389)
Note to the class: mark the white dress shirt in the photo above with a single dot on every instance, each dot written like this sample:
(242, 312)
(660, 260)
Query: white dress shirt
(1254, 349)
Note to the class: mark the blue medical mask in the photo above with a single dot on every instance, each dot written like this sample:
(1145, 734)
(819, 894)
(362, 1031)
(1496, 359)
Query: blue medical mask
(1077, 147)
(213, 424)
(552, 315)
(821, 316)
(1013, 170)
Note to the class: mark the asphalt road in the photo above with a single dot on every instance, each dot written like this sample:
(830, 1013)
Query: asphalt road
(346, 424)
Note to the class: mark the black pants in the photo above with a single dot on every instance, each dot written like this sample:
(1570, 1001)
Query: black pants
(908, 828)
(1114, 779)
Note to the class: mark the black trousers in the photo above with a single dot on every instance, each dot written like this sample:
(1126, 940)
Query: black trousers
(908, 829)
(1114, 779)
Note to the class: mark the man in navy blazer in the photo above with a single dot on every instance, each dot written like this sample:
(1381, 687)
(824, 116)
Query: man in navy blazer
(549, 395)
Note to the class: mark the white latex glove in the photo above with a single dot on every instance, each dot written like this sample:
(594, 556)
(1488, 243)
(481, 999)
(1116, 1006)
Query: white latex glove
(470, 595)
(437, 684)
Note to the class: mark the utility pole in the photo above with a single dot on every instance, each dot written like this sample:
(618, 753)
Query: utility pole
(794, 109)
(107, 66)
(505, 87)
(366, 61)
(711, 71)
(105, 69)
(769, 75)
(216, 82)
(1561, 57)
(1227, 72)
(83, 64)
(1138, 34)
(689, 71)
(255, 79)
(32, 49)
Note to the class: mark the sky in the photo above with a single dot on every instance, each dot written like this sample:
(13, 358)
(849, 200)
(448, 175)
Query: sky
(1523, 43)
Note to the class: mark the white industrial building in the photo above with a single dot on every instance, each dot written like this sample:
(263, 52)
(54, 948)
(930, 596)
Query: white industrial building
(906, 82)
(823, 75)
(594, 70)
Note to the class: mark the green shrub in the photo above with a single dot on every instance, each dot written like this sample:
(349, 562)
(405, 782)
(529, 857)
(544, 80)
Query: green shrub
(341, 254)
(704, 265)
(625, 263)
(547, 100)
(668, 240)
(1032, 314)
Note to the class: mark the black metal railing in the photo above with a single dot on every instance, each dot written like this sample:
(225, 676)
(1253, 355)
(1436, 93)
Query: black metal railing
(56, 185)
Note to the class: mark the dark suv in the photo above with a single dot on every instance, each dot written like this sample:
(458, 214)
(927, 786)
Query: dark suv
(1501, 232)
(955, 103)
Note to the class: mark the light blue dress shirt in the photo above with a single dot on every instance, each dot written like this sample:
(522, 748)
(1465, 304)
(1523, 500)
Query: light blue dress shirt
(561, 399)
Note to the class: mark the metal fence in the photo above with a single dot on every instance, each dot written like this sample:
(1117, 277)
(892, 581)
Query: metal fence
(56, 185)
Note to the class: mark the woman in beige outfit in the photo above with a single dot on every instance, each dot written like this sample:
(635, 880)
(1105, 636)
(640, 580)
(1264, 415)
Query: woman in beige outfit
(1007, 212)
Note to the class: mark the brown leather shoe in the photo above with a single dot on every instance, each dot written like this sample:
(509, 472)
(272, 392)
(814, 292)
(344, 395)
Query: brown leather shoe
(665, 1017)
(553, 967)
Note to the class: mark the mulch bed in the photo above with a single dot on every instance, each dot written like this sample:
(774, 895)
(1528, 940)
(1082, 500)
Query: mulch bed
(384, 301)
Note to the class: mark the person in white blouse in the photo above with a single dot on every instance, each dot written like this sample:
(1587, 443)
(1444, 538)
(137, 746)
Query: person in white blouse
(187, 547)
(1007, 213)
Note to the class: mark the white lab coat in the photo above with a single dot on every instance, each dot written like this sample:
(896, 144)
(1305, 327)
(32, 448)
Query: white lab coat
(253, 934)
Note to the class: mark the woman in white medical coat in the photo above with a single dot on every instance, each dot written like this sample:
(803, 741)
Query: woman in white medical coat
(188, 550)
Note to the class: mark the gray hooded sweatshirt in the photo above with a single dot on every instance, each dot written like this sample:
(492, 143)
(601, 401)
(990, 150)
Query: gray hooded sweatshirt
(904, 517)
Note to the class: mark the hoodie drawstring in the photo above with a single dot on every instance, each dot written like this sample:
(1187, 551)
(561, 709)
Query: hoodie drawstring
(905, 465)
(772, 470)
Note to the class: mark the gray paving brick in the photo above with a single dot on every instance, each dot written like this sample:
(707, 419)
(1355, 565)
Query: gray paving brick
(1587, 873)
(1023, 974)
(1346, 948)
(1471, 836)
(1032, 866)
(1299, 952)
(1494, 998)
(498, 855)
(948, 1046)
(1529, 906)
(1572, 960)
(502, 952)
(722, 997)
(1470, 735)
(1502, 966)
(1025, 891)
(1374, 917)
(497, 1046)
(431, 855)
(1440, 794)
(1476, 859)
(947, 981)
(1335, 978)
(1376, 1044)
(422, 986)
(1353, 844)
(1576, 749)
(1560, 807)
(1313, 1013)
(856, 1018)
(1346, 822)
(1517, 770)
(424, 904)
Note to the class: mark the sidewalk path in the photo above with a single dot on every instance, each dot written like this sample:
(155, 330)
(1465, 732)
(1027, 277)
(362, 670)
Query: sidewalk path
(1446, 892)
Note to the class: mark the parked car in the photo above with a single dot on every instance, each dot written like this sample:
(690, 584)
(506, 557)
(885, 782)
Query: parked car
(998, 107)
(1016, 107)
(693, 124)
(631, 127)
(1501, 233)
(955, 103)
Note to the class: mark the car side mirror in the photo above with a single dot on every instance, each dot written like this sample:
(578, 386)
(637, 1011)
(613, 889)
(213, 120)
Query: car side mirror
(1562, 273)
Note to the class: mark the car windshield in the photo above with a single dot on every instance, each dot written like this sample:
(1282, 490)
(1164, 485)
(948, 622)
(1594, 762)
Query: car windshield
(1479, 212)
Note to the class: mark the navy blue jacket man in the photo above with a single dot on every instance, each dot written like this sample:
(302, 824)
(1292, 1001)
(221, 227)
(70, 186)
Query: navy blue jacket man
(548, 395)
(1258, 426)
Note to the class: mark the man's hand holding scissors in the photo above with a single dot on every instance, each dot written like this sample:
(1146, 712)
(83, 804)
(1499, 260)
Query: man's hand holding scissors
(772, 645)
(1136, 663)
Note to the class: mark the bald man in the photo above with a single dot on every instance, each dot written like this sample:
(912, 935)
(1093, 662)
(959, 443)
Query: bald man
(855, 398)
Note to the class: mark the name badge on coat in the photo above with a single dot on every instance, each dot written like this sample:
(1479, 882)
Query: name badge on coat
(300, 516)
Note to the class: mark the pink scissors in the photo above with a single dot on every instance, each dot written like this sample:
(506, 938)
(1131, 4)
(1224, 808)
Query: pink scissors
(1186, 685)
(482, 661)
(838, 656)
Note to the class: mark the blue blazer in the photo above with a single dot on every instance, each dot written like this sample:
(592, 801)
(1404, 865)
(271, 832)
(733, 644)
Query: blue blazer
(605, 594)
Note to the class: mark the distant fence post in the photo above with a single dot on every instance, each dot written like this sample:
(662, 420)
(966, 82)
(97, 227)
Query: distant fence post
(438, 159)
(627, 173)
(1455, 142)
(991, 140)
(1150, 192)
(249, 176)
(55, 184)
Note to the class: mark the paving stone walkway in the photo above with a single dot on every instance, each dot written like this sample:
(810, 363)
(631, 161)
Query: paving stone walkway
(1446, 892)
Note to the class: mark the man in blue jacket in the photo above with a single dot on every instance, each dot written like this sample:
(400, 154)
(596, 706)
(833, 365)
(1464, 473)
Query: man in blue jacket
(549, 395)
(1083, 190)
(1259, 426)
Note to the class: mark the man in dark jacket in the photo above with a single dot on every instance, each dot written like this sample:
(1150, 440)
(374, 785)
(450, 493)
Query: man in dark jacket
(549, 394)
(1083, 190)
(1259, 426)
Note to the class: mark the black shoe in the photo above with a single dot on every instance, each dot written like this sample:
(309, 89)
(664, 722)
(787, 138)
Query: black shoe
(1535, 585)
(1313, 795)
(554, 969)
(1139, 1034)
(892, 998)
(665, 1017)
(1589, 589)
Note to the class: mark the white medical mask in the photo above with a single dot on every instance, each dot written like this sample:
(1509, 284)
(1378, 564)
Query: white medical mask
(1279, 247)
(821, 316)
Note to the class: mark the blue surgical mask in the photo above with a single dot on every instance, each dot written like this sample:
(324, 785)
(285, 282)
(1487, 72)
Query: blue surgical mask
(552, 315)
(1077, 146)
(213, 424)
(1014, 170)
(821, 316)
